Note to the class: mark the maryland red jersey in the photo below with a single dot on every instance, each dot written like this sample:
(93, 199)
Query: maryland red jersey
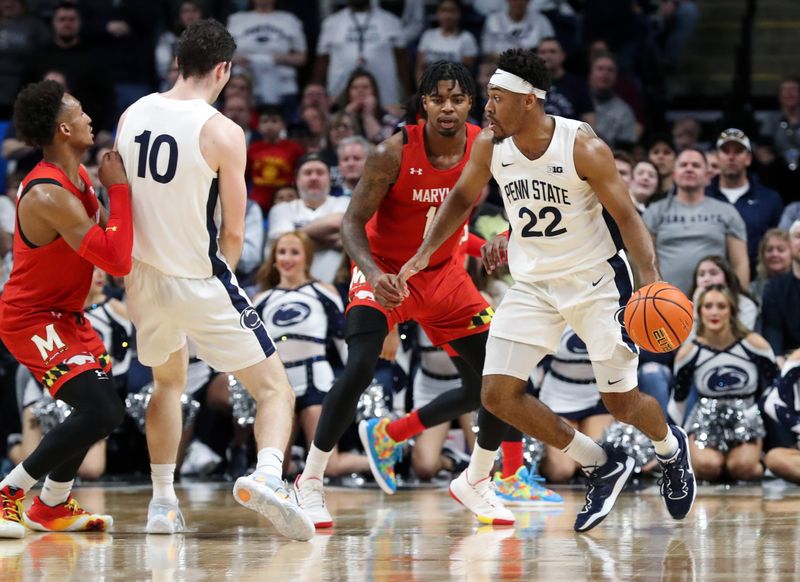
(396, 230)
(52, 276)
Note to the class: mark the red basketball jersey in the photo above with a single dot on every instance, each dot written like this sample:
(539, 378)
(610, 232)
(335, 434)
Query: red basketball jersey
(396, 230)
(51, 276)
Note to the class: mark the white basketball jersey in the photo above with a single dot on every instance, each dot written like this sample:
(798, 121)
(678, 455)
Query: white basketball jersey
(174, 192)
(558, 224)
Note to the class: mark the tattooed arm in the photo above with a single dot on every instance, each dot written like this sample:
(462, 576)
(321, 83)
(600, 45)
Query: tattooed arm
(380, 173)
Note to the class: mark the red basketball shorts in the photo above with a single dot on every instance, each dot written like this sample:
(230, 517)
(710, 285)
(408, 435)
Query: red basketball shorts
(54, 345)
(442, 299)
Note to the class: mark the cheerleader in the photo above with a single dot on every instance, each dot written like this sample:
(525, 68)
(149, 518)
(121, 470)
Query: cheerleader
(782, 406)
(302, 316)
(730, 367)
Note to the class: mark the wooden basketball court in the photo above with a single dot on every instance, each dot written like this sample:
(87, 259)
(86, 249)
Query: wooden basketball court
(742, 533)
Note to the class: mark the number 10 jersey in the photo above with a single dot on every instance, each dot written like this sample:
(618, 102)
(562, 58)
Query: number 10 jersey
(174, 192)
(558, 225)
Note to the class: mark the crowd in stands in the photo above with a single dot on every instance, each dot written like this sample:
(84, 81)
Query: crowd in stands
(316, 85)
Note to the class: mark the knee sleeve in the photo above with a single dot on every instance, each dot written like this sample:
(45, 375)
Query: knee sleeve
(619, 372)
(511, 358)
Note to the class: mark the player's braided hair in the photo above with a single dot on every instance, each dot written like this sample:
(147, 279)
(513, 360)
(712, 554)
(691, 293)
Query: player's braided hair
(445, 71)
(525, 63)
(202, 46)
(36, 112)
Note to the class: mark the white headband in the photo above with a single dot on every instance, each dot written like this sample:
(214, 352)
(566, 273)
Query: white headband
(515, 84)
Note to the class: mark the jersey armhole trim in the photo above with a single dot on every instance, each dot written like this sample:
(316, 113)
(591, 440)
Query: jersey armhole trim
(198, 150)
(28, 187)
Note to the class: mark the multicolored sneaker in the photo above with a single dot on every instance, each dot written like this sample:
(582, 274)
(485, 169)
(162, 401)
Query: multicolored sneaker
(382, 451)
(67, 516)
(525, 488)
(11, 512)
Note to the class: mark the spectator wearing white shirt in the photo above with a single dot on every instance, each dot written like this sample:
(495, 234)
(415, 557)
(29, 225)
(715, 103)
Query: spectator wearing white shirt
(516, 27)
(271, 45)
(316, 213)
(447, 41)
(362, 36)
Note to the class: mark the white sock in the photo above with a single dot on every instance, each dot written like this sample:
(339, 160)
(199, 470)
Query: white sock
(55, 492)
(668, 447)
(584, 451)
(270, 461)
(480, 464)
(316, 462)
(19, 479)
(162, 477)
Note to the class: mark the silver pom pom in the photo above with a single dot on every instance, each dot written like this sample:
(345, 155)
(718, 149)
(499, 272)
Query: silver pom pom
(136, 404)
(243, 405)
(372, 403)
(724, 423)
(631, 440)
(49, 412)
(532, 451)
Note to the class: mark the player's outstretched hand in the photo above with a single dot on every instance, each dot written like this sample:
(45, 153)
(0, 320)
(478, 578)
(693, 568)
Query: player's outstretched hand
(414, 265)
(495, 252)
(387, 291)
(112, 171)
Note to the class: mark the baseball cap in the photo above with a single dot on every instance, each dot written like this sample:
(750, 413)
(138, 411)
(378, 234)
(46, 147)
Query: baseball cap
(311, 157)
(734, 135)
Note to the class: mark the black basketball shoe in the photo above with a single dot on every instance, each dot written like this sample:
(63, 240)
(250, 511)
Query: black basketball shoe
(605, 484)
(677, 481)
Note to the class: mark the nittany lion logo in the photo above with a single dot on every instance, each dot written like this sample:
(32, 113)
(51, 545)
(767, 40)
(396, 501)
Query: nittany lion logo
(575, 344)
(726, 379)
(249, 318)
(291, 313)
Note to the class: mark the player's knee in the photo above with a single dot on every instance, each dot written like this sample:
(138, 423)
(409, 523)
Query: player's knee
(492, 398)
(110, 414)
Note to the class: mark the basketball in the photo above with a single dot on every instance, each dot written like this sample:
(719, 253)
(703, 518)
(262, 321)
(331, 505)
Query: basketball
(659, 317)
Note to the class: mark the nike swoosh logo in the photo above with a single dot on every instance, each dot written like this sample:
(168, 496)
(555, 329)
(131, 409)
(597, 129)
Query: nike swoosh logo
(610, 383)
(620, 468)
(506, 165)
(598, 281)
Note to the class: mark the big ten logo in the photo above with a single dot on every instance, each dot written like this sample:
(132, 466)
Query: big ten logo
(663, 340)
(50, 345)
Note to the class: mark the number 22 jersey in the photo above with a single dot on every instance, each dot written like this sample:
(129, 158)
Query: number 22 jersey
(405, 214)
(558, 224)
(174, 193)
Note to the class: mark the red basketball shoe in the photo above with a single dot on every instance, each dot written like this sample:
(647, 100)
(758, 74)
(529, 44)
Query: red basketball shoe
(67, 516)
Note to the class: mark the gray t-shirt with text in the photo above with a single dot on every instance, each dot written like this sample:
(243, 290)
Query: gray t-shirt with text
(685, 233)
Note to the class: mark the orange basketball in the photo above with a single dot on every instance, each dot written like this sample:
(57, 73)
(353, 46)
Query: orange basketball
(659, 317)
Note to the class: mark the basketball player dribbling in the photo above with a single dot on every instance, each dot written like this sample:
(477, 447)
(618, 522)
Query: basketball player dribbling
(404, 183)
(567, 206)
(61, 234)
(187, 168)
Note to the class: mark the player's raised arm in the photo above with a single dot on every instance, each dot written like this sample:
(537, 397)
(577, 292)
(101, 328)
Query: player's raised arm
(109, 248)
(380, 172)
(456, 207)
(594, 162)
